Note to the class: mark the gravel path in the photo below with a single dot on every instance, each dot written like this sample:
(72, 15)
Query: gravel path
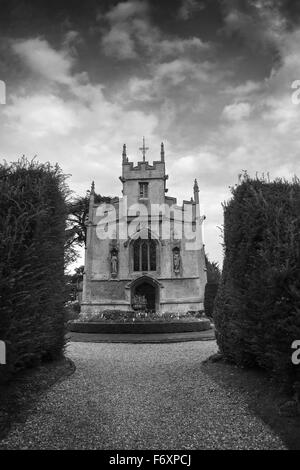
(141, 396)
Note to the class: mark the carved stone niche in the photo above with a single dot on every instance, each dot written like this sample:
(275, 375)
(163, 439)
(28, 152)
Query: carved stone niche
(176, 261)
(114, 258)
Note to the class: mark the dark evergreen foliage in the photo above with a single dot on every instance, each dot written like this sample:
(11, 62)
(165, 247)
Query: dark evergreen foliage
(78, 210)
(257, 308)
(32, 237)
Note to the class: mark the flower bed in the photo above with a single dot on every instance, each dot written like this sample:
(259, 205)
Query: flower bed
(119, 316)
(140, 322)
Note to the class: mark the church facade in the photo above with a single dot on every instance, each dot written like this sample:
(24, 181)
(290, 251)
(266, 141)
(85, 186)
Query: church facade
(144, 250)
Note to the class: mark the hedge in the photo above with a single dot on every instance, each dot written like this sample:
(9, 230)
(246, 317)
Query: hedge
(32, 235)
(257, 308)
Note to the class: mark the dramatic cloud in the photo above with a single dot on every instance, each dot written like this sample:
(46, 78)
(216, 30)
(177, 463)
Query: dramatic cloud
(44, 60)
(131, 34)
(218, 93)
(125, 10)
(189, 7)
(118, 43)
(38, 116)
(237, 111)
(259, 22)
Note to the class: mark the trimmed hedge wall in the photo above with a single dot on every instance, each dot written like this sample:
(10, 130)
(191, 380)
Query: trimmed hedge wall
(257, 308)
(32, 235)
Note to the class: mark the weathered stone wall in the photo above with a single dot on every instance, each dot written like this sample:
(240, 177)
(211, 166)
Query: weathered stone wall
(106, 290)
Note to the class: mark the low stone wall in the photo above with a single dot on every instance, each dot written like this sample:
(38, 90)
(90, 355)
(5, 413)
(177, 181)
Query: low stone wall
(139, 327)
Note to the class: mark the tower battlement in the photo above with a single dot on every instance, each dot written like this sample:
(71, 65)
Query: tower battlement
(143, 180)
(143, 170)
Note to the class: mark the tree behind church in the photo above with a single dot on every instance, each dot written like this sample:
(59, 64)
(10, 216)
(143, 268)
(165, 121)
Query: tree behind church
(213, 279)
(78, 210)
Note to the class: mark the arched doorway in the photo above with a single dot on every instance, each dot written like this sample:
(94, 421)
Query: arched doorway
(147, 288)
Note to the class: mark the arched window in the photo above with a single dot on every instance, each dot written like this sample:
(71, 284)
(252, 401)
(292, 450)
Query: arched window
(144, 255)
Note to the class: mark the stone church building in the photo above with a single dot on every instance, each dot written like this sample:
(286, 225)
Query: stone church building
(143, 247)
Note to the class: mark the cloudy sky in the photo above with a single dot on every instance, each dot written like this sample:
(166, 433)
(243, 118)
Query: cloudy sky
(212, 79)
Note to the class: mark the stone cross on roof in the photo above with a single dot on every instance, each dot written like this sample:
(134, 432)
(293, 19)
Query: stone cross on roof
(144, 149)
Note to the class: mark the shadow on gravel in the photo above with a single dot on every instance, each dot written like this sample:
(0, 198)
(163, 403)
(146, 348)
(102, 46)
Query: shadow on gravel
(18, 397)
(261, 394)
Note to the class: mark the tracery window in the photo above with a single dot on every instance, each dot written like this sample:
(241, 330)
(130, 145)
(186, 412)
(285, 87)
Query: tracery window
(144, 255)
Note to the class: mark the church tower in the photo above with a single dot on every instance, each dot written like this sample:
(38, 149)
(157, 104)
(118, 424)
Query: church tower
(144, 182)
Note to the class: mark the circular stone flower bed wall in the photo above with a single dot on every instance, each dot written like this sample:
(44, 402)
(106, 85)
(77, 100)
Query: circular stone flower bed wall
(140, 327)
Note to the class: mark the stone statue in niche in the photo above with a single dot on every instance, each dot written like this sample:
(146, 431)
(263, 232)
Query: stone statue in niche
(176, 260)
(114, 262)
